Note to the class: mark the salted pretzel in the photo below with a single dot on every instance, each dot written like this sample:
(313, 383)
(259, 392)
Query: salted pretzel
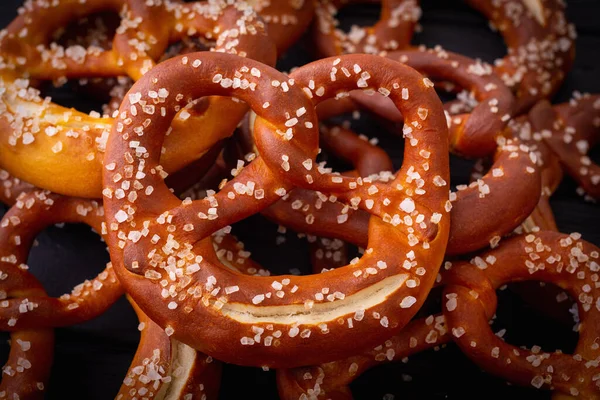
(470, 301)
(393, 31)
(292, 312)
(472, 134)
(61, 149)
(471, 229)
(32, 213)
(26, 310)
(540, 44)
(165, 369)
(539, 38)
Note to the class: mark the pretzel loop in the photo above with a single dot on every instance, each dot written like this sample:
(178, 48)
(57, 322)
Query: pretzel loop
(393, 31)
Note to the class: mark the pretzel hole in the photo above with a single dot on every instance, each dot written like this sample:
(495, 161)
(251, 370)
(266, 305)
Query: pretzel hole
(358, 14)
(485, 43)
(274, 245)
(60, 274)
(97, 29)
(544, 328)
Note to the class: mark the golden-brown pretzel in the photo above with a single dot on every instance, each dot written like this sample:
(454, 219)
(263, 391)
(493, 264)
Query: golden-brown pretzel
(472, 134)
(471, 229)
(32, 213)
(540, 44)
(27, 369)
(165, 369)
(393, 31)
(27, 311)
(576, 131)
(61, 150)
(470, 301)
(288, 139)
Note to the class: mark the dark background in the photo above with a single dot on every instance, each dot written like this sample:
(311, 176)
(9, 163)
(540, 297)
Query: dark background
(91, 359)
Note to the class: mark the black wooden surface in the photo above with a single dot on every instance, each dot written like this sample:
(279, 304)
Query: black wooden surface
(91, 359)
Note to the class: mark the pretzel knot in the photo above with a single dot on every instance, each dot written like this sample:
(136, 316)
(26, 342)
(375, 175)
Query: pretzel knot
(261, 320)
(470, 302)
(61, 149)
(393, 31)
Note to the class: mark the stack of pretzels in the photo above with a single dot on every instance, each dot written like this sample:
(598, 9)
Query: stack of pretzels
(195, 130)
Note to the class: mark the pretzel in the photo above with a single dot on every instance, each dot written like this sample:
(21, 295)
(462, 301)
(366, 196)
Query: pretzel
(27, 369)
(471, 229)
(61, 150)
(471, 134)
(393, 31)
(540, 44)
(260, 301)
(470, 302)
(26, 310)
(164, 369)
(32, 213)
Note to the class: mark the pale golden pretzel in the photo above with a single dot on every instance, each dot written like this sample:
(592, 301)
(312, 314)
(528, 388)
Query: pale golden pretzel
(60, 149)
